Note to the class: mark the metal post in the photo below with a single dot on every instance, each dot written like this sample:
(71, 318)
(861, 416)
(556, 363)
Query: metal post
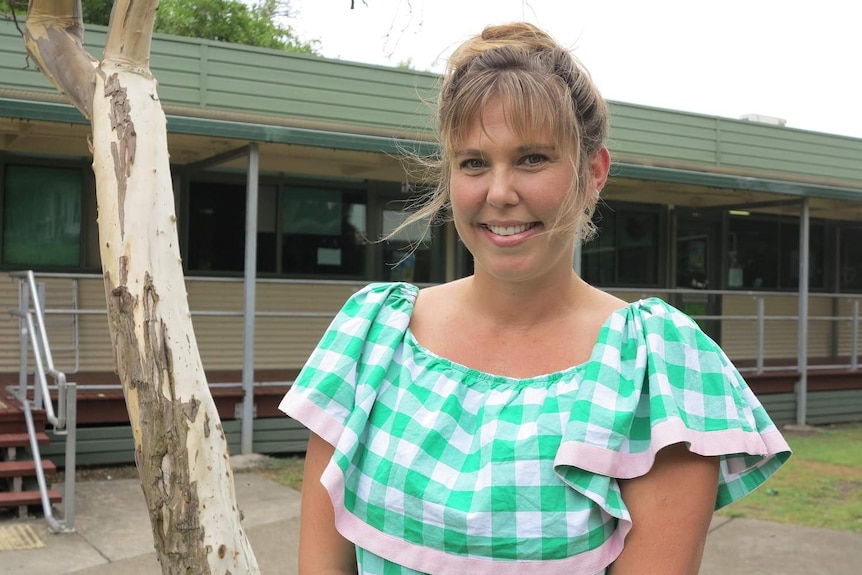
(24, 338)
(761, 332)
(854, 350)
(250, 281)
(802, 384)
(41, 340)
(71, 441)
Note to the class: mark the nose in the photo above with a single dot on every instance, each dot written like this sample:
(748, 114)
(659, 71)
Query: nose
(501, 189)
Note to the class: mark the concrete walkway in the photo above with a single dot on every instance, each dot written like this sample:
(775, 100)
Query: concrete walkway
(113, 534)
(113, 538)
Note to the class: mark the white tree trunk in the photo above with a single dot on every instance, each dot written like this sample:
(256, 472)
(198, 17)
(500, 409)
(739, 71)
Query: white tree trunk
(180, 446)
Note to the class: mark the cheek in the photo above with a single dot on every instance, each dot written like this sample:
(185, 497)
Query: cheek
(463, 197)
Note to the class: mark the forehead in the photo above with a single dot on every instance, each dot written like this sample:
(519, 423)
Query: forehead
(499, 115)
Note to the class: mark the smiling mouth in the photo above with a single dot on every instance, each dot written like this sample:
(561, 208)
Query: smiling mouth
(510, 230)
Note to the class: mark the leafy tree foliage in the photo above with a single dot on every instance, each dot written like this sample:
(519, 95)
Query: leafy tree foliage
(259, 23)
(6, 6)
(97, 11)
(255, 24)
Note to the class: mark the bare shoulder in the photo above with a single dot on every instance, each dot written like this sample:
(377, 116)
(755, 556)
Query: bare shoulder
(598, 305)
(435, 300)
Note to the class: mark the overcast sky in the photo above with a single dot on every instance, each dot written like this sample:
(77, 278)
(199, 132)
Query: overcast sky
(789, 59)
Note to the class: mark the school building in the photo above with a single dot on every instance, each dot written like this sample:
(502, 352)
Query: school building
(722, 217)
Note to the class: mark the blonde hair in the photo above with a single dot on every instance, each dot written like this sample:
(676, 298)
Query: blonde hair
(542, 87)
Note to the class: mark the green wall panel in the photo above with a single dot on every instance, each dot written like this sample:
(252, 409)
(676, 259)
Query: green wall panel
(204, 74)
(113, 445)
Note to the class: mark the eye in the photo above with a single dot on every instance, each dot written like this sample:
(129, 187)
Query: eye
(472, 164)
(534, 160)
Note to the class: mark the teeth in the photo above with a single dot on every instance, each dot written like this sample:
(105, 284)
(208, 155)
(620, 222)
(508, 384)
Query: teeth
(509, 230)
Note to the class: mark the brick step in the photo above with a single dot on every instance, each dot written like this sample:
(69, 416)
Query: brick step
(20, 498)
(21, 439)
(25, 468)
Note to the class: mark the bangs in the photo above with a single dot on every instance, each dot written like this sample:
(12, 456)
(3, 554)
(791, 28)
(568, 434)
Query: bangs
(531, 106)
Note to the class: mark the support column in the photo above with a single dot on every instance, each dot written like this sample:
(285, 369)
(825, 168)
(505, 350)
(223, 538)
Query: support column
(250, 287)
(802, 350)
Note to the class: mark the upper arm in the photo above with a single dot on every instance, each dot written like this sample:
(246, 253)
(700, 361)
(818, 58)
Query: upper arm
(322, 550)
(671, 508)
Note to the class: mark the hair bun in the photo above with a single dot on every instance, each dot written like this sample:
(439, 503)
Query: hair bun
(523, 33)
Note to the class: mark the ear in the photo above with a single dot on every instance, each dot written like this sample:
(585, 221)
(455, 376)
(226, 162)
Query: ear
(600, 165)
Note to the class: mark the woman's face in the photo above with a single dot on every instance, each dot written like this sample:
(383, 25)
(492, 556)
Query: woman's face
(506, 193)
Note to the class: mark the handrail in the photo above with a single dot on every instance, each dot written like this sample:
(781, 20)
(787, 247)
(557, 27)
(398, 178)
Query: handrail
(64, 418)
(59, 422)
(42, 344)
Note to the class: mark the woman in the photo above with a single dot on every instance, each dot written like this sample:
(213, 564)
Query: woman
(519, 420)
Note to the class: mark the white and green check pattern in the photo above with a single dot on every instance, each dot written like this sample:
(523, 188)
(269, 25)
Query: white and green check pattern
(446, 470)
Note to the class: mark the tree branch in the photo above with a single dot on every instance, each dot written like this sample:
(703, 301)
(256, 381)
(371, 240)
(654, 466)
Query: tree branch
(53, 36)
(130, 34)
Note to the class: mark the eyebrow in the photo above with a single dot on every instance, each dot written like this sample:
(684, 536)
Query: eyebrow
(523, 149)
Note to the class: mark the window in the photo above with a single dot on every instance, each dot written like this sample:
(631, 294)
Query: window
(216, 227)
(407, 256)
(850, 259)
(626, 249)
(309, 231)
(41, 216)
(323, 231)
(598, 257)
(764, 253)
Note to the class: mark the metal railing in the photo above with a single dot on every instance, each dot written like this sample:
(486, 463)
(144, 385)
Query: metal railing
(762, 323)
(34, 338)
(760, 318)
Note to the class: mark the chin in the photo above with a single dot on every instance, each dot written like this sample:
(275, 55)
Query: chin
(514, 274)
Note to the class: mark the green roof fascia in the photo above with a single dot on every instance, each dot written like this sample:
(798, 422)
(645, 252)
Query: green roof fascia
(299, 136)
(696, 178)
(53, 112)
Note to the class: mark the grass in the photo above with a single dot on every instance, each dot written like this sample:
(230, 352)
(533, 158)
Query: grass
(820, 486)
(286, 470)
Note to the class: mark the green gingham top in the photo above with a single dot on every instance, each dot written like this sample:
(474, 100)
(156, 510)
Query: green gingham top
(446, 470)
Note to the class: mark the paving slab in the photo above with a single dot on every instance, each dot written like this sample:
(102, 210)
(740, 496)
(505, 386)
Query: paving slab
(113, 533)
(274, 544)
(752, 547)
(61, 554)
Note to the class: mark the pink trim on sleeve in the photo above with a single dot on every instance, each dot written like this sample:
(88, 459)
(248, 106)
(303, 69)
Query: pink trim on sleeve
(311, 416)
(623, 465)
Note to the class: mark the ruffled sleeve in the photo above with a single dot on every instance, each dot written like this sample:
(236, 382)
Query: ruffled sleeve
(656, 379)
(339, 381)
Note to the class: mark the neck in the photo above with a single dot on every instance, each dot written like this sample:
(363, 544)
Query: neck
(525, 304)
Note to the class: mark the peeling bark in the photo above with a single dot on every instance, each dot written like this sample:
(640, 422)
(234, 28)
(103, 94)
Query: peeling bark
(123, 149)
(184, 467)
(162, 454)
